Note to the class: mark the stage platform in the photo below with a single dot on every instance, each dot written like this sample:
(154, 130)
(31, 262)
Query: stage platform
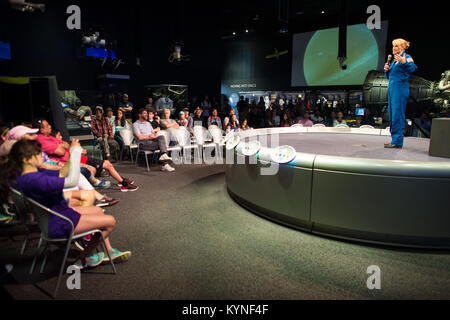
(343, 183)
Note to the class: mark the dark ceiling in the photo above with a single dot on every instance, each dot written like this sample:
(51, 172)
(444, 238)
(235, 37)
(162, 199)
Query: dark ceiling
(265, 16)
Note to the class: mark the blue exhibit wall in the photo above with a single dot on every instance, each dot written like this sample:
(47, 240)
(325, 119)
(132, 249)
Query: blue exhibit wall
(42, 45)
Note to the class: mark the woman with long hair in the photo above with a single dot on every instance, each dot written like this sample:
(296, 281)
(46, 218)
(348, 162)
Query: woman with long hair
(22, 169)
(120, 123)
(233, 125)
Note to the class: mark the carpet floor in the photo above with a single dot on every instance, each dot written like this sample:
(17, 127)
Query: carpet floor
(190, 240)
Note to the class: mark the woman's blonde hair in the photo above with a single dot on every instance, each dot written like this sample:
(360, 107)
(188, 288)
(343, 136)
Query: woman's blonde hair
(402, 42)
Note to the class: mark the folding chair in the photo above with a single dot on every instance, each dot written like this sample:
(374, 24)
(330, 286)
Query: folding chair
(319, 125)
(23, 210)
(128, 141)
(367, 127)
(42, 215)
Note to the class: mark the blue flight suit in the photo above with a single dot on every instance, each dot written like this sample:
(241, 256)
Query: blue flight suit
(398, 75)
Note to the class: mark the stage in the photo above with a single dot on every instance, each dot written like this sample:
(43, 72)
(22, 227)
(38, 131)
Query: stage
(343, 183)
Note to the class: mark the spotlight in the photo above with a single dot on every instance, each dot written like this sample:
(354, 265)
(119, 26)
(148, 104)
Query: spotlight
(323, 12)
(246, 30)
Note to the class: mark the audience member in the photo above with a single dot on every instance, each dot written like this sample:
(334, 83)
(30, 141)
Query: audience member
(189, 119)
(244, 125)
(316, 118)
(331, 118)
(233, 124)
(149, 104)
(368, 119)
(102, 130)
(182, 122)
(340, 120)
(424, 124)
(127, 107)
(198, 118)
(58, 151)
(148, 139)
(286, 121)
(46, 187)
(164, 102)
(119, 124)
(305, 121)
(206, 106)
(166, 122)
(214, 119)
(153, 118)
(357, 122)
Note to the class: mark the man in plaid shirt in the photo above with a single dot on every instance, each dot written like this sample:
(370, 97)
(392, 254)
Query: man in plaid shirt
(101, 128)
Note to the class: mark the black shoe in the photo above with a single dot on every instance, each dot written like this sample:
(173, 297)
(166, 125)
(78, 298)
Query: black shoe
(392, 146)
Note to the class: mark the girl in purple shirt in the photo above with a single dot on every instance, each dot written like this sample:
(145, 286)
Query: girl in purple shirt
(46, 187)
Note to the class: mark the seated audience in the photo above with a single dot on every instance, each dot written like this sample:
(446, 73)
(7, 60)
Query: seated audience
(233, 124)
(23, 171)
(316, 118)
(120, 124)
(226, 121)
(357, 122)
(286, 121)
(166, 122)
(126, 106)
(189, 119)
(368, 120)
(102, 130)
(58, 151)
(305, 121)
(148, 139)
(330, 120)
(153, 118)
(182, 121)
(198, 118)
(244, 125)
(214, 119)
(339, 120)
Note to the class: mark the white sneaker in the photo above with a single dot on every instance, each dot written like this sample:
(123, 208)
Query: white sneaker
(165, 157)
(167, 168)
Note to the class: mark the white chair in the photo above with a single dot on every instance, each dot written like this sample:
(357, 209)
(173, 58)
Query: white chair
(42, 215)
(342, 125)
(319, 125)
(367, 127)
(188, 145)
(128, 142)
(217, 141)
(297, 125)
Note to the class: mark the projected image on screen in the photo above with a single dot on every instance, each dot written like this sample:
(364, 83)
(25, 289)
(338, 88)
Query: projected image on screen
(314, 60)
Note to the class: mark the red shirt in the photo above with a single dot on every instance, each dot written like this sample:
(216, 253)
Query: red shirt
(49, 146)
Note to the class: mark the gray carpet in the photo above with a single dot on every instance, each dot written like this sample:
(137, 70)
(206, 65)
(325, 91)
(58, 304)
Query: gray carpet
(354, 146)
(191, 241)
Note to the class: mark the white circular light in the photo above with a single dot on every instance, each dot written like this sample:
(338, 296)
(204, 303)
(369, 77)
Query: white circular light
(251, 148)
(233, 142)
(283, 154)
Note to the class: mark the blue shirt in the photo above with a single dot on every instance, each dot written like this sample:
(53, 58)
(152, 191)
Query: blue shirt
(402, 72)
(144, 128)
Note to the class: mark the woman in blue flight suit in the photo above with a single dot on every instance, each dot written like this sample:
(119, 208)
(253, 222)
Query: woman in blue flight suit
(398, 74)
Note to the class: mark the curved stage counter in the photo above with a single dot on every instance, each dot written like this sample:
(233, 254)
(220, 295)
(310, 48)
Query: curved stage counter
(343, 183)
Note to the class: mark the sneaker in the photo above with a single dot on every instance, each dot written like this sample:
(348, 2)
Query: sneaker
(106, 201)
(90, 262)
(117, 255)
(165, 157)
(4, 218)
(167, 168)
(128, 181)
(392, 146)
(129, 187)
(79, 243)
(103, 184)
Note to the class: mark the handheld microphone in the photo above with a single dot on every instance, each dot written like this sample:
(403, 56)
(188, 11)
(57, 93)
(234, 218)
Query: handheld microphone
(389, 59)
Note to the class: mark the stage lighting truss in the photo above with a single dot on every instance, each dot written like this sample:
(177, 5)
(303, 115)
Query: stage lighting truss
(283, 154)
